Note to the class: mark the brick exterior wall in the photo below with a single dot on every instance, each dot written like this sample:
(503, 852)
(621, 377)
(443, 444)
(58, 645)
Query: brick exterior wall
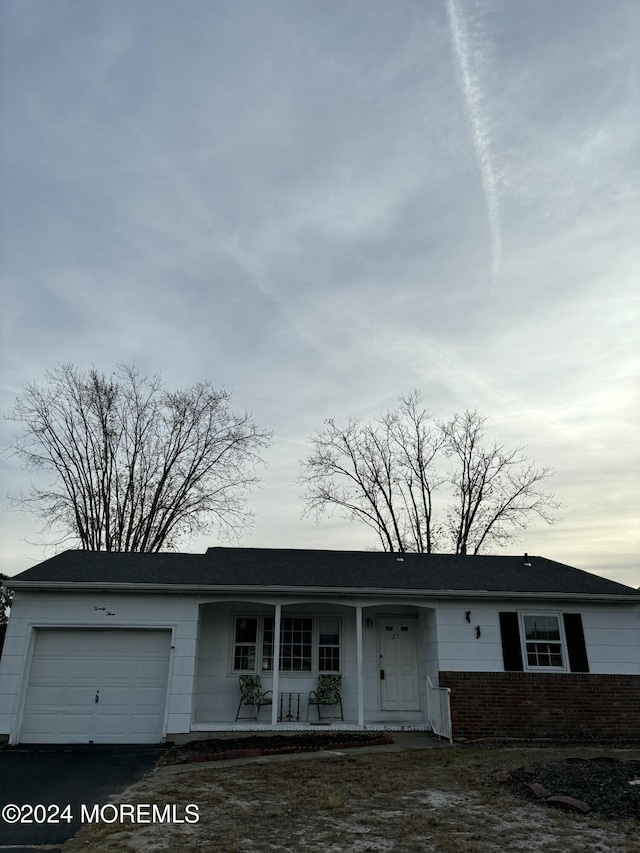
(534, 705)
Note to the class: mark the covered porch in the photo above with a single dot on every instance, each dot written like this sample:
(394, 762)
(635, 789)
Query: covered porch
(385, 654)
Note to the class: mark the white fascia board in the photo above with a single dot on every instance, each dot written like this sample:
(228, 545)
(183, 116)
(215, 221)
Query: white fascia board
(208, 589)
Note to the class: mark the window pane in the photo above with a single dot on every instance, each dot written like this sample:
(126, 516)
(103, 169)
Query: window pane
(544, 654)
(244, 654)
(329, 660)
(295, 644)
(267, 643)
(329, 645)
(542, 628)
(245, 657)
(329, 632)
(543, 640)
(246, 630)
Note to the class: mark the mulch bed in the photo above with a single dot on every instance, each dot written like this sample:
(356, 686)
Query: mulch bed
(253, 746)
(603, 783)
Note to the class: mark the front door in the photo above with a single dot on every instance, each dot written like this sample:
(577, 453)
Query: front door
(399, 674)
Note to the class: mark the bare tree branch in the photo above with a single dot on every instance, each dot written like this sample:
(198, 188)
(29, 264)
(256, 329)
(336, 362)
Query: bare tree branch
(387, 474)
(5, 605)
(136, 467)
(381, 473)
(496, 492)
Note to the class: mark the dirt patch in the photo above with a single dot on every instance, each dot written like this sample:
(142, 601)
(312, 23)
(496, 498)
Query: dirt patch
(610, 786)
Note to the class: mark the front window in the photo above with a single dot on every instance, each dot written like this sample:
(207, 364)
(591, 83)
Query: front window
(306, 644)
(246, 639)
(328, 645)
(543, 641)
(295, 644)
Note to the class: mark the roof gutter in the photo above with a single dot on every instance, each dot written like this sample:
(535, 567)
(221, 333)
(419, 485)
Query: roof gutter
(256, 589)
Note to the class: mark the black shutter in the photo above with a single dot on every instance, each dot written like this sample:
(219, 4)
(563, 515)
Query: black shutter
(510, 633)
(575, 642)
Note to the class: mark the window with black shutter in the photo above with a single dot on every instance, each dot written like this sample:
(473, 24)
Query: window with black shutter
(537, 642)
(576, 646)
(510, 634)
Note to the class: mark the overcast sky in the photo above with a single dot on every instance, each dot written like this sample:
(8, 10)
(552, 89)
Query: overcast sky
(322, 205)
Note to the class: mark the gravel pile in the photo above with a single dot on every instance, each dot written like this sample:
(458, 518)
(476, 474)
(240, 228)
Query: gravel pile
(604, 783)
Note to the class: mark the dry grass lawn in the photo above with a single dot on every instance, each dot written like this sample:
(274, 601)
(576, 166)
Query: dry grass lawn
(421, 800)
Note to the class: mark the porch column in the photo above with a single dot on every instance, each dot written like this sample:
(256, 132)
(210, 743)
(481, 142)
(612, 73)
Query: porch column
(276, 662)
(359, 666)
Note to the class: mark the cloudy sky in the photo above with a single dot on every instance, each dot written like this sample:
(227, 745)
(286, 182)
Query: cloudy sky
(323, 205)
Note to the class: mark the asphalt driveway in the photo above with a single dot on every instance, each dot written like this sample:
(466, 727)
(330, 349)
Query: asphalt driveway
(57, 777)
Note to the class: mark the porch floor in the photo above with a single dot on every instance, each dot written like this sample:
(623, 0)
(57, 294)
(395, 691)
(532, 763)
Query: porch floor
(304, 726)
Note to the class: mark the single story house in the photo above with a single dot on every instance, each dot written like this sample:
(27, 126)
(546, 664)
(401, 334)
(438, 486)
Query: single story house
(105, 647)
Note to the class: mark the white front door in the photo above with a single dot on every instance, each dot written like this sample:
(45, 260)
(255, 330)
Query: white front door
(399, 673)
(97, 686)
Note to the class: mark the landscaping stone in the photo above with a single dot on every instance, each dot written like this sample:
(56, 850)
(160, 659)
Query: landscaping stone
(502, 776)
(234, 753)
(538, 791)
(569, 803)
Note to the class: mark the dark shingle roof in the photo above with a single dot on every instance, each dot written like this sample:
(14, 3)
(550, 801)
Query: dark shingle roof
(271, 567)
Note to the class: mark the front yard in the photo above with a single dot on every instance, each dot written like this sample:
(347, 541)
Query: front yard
(348, 802)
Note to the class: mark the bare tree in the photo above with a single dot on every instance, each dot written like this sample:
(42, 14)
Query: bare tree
(136, 467)
(389, 475)
(5, 605)
(382, 474)
(497, 492)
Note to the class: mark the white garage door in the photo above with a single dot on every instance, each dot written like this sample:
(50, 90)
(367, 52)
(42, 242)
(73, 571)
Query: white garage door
(97, 686)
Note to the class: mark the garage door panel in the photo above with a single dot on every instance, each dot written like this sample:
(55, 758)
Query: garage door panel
(152, 669)
(149, 696)
(74, 696)
(52, 669)
(120, 696)
(147, 644)
(128, 669)
(142, 723)
(118, 668)
(75, 724)
(84, 668)
(111, 724)
(40, 724)
(46, 696)
(49, 727)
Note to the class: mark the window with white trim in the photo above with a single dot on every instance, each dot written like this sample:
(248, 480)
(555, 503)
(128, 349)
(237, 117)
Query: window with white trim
(246, 644)
(328, 644)
(307, 644)
(543, 641)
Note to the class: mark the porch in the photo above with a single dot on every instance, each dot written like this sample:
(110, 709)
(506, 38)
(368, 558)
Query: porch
(384, 653)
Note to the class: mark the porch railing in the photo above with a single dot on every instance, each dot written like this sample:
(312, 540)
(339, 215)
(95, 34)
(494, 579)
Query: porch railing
(439, 705)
